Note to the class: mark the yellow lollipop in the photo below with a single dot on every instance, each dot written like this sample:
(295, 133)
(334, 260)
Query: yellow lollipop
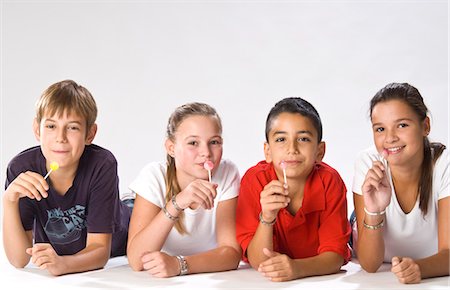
(53, 167)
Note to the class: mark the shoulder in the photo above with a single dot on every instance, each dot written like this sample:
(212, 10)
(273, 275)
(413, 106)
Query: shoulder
(326, 174)
(97, 154)
(28, 159)
(262, 171)
(227, 169)
(442, 163)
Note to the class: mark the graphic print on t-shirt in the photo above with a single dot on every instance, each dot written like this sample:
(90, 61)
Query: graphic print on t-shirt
(64, 227)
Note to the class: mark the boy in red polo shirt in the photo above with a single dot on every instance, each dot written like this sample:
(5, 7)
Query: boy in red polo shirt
(292, 207)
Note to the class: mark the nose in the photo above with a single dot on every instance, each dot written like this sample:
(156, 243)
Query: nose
(391, 136)
(205, 151)
(293, 147)
(61, 136)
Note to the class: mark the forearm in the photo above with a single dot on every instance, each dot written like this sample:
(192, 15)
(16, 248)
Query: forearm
(149, 239)
(436, 265)
(220, 259)
(94, 256)
(263, 238)
(15, 238)
(322, 264)
(370, 245)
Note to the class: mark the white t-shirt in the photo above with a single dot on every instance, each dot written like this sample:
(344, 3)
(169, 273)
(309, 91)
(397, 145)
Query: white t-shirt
(408, 235)
(200, 223)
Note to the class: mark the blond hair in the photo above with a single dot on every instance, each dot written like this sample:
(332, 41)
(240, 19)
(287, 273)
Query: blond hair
(67, 97)
(177, 117)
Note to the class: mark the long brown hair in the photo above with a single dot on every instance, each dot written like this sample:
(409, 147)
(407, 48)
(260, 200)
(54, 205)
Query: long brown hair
(431, 151)
(177, 117)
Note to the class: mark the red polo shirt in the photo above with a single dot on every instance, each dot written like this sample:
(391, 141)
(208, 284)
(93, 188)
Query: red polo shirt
(320, 225)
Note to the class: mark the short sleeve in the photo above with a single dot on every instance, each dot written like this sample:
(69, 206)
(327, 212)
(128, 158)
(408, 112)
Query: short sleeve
(229, 180)
(103, 199)
(441, 176)
(150, 183)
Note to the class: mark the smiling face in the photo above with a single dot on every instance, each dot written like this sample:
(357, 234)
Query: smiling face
(397, 129)
(197, 140)
(293, 139)
(63, 139)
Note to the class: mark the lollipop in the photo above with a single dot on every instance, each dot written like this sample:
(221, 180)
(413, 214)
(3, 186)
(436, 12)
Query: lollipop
(283, 166)
(53, 167)
(208, 165)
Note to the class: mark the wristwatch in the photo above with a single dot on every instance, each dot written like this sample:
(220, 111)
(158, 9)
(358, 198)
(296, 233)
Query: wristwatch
(183, 265)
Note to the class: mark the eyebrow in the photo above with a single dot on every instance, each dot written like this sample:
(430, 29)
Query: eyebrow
(395, 121)
(74, 121)
(196, 136)
(298, 132)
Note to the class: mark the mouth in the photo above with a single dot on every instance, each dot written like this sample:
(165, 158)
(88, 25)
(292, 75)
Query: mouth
(395, 150)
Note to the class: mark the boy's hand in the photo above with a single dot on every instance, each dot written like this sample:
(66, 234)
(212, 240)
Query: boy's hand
(29, 184)
(273, 198)
(406, 270)
(160, 264)
(376, 188)
(199, 192)
(44, 256)
(277, 267)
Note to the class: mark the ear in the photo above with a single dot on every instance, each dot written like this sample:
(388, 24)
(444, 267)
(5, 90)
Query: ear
(267, 152)
(170, 147)
(320, 151)
(36, 130)
(426, 126)
(91, 134)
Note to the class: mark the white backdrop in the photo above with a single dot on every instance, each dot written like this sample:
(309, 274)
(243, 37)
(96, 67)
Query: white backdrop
(141, 59)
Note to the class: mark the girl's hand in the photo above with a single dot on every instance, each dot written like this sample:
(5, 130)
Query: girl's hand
(277, 267)
(29, 184)
(376, 188)
(273, 198)
(406, 270)
(161, 265)
(199, 192)
(45, 257)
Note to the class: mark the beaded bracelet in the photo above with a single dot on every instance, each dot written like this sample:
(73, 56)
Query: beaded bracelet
(175, 204)
(374, 213)
(167, 214)
(266, 223)
(375, 227)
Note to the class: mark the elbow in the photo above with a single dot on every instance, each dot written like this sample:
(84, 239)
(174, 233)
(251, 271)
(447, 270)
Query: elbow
(234, 254)
(370, 267)
(19, 263)
(134, 263)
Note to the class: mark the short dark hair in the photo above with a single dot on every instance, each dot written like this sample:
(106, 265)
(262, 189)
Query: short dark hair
(294, 105)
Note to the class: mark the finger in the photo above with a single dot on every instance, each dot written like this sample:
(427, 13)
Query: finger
(269, 253)
(26, 186)
(274, 189)
(395, 261)
(36, 181)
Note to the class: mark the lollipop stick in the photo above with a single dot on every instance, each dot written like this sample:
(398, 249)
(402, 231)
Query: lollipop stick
(48, 173)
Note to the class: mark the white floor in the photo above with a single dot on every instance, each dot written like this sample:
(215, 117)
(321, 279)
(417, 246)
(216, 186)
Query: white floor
(118, 275)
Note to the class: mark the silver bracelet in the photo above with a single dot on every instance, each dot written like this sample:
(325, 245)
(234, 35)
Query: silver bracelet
(374, 213)
(183, 265)
(266, 223)
(375, 227)
(167, 214)
(175, 204)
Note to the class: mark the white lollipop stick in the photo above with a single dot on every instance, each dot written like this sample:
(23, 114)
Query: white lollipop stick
(53, 167)
(208, 165)
(283, 166)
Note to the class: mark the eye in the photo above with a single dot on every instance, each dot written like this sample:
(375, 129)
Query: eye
(303, 139)
(73, 128)
(50, 126)
(379, 129)
(216, 142)
(280, 139)
(403, 125)
(193, 143)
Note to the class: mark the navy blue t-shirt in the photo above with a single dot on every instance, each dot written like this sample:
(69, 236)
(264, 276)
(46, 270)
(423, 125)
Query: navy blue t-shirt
(91, 205)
